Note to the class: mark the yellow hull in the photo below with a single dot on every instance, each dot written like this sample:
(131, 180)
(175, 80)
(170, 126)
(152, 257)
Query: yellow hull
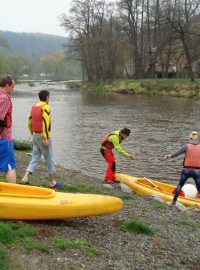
(34, 203)
(147, 187)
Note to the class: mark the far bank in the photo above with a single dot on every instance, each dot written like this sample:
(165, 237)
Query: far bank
(160, 87)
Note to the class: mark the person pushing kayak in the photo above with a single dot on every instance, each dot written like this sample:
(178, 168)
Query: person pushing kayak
(191, 164)
(108, 143)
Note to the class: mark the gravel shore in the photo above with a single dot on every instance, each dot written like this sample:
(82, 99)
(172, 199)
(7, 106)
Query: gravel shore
(174, 245)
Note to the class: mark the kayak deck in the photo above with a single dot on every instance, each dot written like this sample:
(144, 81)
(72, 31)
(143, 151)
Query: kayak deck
(148, 187)
(20, 202)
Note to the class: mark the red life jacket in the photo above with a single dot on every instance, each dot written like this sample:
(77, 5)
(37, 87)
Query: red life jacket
(192, 156)
(37, 119)
(109, 145)
(7, 121)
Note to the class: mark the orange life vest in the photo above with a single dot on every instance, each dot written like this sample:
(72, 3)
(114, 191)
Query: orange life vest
(37, 119)
(7, 121)
(109, 145)
(192, 156)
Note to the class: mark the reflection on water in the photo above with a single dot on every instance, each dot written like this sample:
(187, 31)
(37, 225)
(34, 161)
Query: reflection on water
(159, 125)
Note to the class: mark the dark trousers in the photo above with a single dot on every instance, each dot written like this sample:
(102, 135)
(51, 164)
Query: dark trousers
(185, 174)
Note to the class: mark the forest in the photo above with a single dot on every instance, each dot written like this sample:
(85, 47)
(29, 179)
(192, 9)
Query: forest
(35, 55)
(135, 38)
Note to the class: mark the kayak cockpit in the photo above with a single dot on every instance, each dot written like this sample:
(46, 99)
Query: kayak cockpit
(15, 190)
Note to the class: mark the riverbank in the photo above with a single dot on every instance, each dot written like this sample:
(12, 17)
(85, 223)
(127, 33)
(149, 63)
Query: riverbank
(163, 238)
(162, 87)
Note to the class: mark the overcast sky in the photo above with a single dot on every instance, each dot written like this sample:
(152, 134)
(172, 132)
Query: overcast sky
(39, 16)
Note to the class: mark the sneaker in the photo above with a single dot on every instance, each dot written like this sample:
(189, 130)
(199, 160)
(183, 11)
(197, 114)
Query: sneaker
(25, 183)
(57, 184)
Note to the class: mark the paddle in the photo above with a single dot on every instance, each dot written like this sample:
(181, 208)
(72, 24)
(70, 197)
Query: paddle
(154, 185)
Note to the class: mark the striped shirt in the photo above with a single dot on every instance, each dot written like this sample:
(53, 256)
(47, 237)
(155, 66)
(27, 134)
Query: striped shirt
(5, 107)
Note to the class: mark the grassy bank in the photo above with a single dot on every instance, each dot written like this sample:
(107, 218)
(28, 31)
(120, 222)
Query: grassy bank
(143, 235)
(163, 87)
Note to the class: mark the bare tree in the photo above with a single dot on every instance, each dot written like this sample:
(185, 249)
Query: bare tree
(180, 16)
(92, 26)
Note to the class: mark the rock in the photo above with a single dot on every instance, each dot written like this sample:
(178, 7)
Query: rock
(125, 188)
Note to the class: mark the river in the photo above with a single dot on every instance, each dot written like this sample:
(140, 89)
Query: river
(159, 125)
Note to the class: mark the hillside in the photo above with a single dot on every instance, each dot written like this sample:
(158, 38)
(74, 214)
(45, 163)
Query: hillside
(32, 45)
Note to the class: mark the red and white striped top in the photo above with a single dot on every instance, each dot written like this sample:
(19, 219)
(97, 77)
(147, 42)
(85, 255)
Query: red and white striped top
(5, 107)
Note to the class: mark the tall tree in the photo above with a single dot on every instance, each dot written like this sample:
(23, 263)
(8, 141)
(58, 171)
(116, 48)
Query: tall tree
(92, 26)
(180, 18)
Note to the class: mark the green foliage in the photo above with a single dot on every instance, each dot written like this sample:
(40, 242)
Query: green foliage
(54, 65)
(161, 206)
(4, 259)
(82, 188)
(2, 64)
(127, 197)
(30, 244)
(2, 179)
(139, 261)
(7, 233)
(137, 226)
(32, 45)
(26, 231)
(83, 245)
(22, 145)
(18, 65)
(161, 87)
(10, 232)
(187, 222)
(4, 42)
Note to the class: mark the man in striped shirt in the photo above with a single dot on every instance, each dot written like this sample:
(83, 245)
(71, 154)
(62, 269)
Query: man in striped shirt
(7, 158)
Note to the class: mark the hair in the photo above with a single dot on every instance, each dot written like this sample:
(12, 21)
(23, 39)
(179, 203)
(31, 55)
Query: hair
(193, 135)
(6, 80)
(43, 95)
(125, 131)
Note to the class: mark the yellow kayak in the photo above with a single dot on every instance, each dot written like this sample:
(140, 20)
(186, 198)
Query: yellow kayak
(35, 203)
(147, 187)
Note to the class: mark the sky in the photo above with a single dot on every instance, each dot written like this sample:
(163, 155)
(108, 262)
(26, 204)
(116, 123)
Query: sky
(33, 16)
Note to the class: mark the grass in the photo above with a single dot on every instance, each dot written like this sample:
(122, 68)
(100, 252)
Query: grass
(164, 222)
(4, 259)
(124, 196)
(82, 188)
(139, 261)
(163, 87)
(83, 245)
(161, 206)
(2, 179)
(10, 234)
(137, 226)
(30, 244)
(187, 222)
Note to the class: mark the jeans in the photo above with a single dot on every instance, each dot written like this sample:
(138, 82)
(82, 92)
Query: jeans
(185, 174)
(38, 150)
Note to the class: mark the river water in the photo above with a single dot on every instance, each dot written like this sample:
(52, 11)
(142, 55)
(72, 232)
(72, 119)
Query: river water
(159, 125)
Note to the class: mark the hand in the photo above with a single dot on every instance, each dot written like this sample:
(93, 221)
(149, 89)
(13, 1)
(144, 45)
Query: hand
(167, 156)
(132, 157)
(46, 143)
